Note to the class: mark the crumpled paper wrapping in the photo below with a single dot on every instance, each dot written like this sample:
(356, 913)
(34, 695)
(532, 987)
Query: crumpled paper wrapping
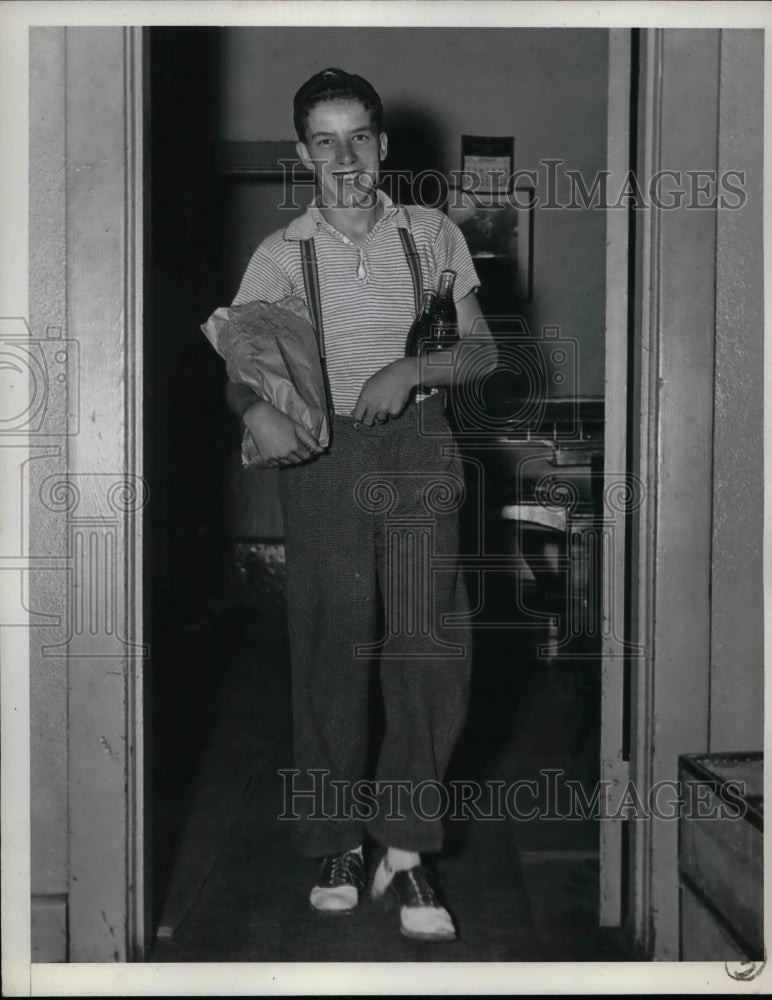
(272, 348)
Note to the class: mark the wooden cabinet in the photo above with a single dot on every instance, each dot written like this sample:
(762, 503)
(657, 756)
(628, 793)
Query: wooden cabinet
(720, 857)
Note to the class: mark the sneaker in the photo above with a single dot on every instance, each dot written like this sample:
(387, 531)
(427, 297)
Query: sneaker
(421, 914)
(341, 879)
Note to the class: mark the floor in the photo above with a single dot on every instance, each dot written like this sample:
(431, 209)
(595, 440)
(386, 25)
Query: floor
(232, 890)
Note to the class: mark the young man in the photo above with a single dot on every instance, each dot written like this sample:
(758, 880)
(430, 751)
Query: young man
(391, 462)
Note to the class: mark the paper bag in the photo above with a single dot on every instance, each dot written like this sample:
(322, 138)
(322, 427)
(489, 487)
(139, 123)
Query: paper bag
(272, 348)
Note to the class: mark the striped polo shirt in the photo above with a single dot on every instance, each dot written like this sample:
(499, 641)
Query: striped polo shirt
(366, 291)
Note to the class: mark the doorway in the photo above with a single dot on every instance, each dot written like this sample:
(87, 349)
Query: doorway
(187, 450)
(216, 553)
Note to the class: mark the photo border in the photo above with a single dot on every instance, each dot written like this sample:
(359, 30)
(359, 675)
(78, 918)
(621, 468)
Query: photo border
(20, 976)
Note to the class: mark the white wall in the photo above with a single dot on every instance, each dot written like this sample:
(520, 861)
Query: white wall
(737, 607)
(545, 87)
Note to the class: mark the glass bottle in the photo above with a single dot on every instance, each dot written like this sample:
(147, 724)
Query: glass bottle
(420, 331)
(444, 325)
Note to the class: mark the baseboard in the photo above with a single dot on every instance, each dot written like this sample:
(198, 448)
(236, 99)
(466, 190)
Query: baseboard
(49, 928)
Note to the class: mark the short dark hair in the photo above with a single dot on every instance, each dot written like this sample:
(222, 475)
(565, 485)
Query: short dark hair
(335, 85)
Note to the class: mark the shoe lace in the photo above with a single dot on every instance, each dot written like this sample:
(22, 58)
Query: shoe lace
(424, 893)
(342, 868)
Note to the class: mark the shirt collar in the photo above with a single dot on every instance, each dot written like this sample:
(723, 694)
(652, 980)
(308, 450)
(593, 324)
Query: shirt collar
(305, 226)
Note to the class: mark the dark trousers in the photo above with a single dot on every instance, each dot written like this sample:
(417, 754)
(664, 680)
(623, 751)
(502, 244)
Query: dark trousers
(371, 541)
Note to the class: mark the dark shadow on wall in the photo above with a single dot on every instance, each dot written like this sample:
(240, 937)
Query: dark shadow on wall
(412, 173)
(187, 424)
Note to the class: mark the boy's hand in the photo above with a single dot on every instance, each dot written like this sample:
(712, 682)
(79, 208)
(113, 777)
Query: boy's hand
(387, 393)
(278, 438)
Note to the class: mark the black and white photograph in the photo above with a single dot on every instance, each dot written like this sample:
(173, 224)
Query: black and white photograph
(383, 492)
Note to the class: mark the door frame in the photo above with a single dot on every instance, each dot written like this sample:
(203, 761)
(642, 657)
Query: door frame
(670, 441)
(614, 764)
(660, 388)
(86, 496)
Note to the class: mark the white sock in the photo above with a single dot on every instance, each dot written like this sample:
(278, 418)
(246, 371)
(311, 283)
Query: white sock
(400, 861)
(430, 923)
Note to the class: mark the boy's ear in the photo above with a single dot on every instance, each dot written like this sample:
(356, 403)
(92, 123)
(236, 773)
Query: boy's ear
(304, 156)
(383, 146)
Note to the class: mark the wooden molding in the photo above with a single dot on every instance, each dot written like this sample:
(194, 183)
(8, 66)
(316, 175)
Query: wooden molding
(268, 158)
(103, 496)
(674, 356)
(49, 928)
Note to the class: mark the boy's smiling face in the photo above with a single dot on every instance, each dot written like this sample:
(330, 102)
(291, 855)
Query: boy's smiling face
(344, 150)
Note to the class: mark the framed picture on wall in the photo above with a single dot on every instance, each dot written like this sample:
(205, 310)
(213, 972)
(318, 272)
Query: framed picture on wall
(498, 227)
(487, 161)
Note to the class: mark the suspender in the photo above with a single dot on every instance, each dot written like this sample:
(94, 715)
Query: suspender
(314, 297)
(311, 279)
(414, 263)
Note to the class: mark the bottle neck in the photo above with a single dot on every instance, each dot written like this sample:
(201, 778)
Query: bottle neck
(447, 279)
(429, 298)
